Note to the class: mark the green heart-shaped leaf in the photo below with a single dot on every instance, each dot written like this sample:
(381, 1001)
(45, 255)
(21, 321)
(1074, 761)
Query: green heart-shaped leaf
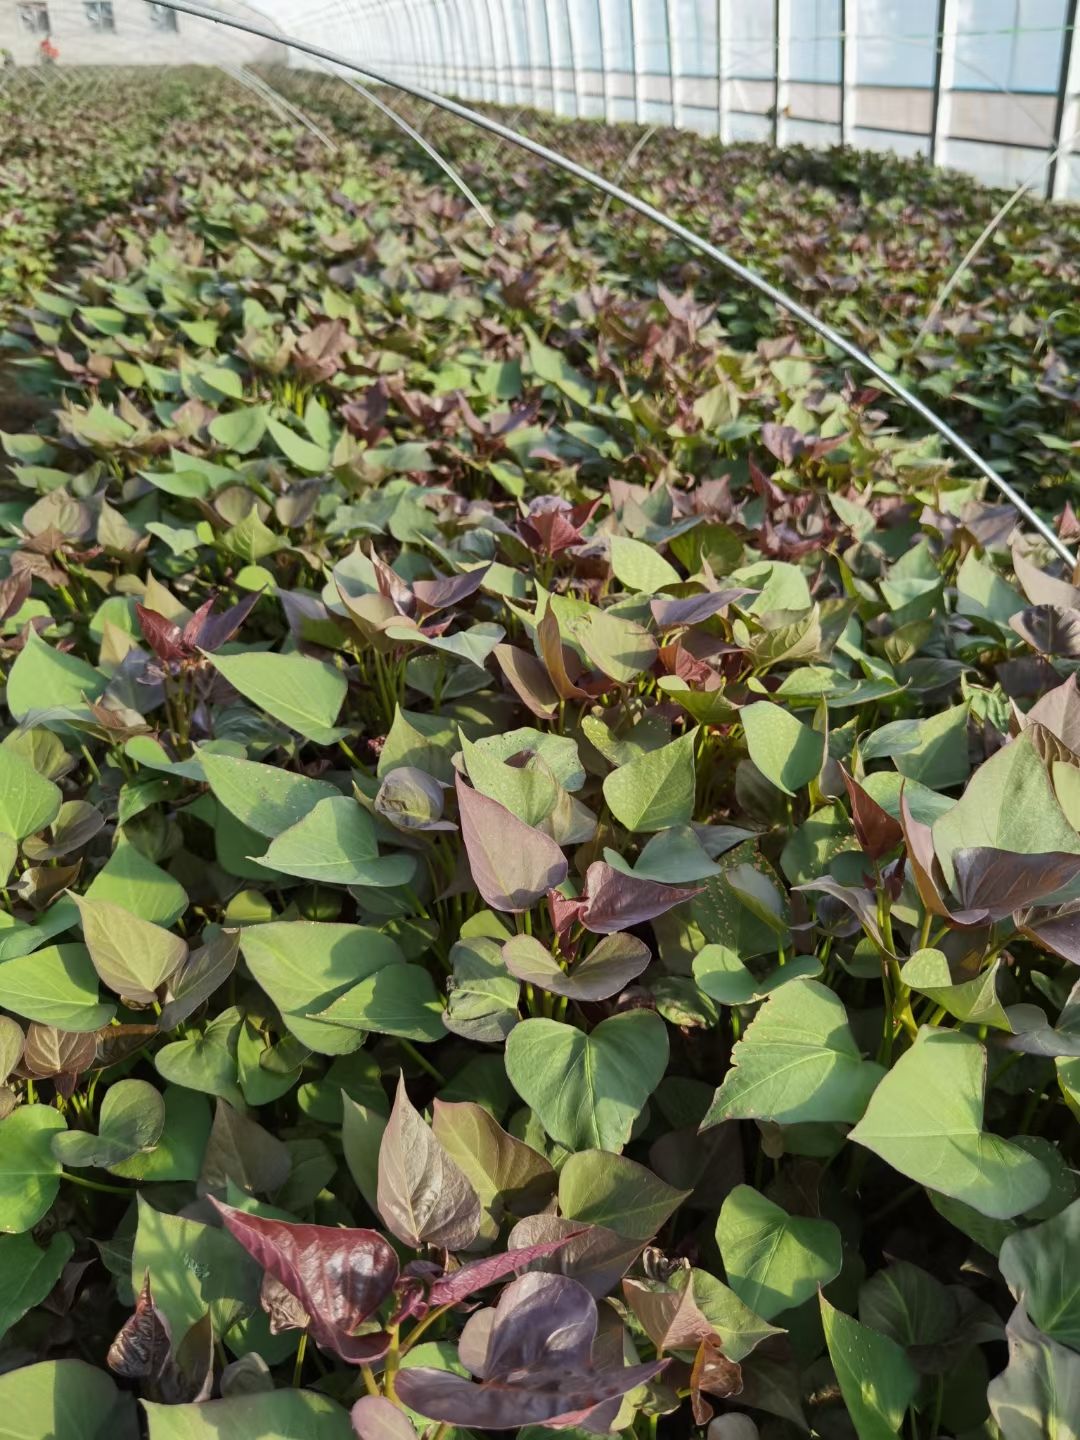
(588, 1089)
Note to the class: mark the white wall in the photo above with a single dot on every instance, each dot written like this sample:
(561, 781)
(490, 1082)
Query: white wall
(135, 40)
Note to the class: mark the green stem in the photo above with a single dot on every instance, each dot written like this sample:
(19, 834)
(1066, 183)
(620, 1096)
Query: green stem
(418, 1330)
(298, 1368)
(425, 1064)
(924, 933)
(95, 1185)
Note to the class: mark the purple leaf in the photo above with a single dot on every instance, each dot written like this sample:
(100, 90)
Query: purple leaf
(143, 1348)
(374, 1418)
(447, 590)
(859, 901)
(875, 829)
(512, 864)
(536, 1367)
(529, 680)
(614, 901)
(213, 631)
(340, 1277)
(925, 866)
(477, 1274)
(670, 614)
(596, 1257)
(423, 1196)
(163, 636)
(999, 881)
(1056, 930)
(1049, 629)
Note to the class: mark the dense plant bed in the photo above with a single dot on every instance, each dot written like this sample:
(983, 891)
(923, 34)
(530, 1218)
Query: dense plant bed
(541, 840)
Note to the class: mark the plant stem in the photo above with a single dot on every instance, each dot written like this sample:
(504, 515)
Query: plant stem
(425, 1064)
(371, 1385)
(298, 1368)
(95, 1185)
(418, 1329)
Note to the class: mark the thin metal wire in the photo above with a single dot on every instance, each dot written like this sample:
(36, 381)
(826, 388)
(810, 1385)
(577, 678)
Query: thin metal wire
(262, 87)
(992, 225)
(696, 242)
(425, 144)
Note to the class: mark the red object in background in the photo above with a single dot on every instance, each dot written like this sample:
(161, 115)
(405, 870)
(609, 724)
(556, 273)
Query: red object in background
(49, 51)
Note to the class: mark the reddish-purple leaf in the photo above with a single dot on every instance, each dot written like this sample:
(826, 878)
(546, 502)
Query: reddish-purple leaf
(1049, 629)
(477, 1274)
(529, 680)
(14, 593)
(595, 1256)
(925, 866)
(536, 1367)
(213, 631)
(340, 1277)
(552, 524)
(374, 1418)
(1000, 881)
(143, 1348)
(163, 636)
(512, 864)
(447, 590)
(1056, 930)
(614, 901)
(714, 1374)
(281, 1306)
(875, 829)
(555, 657)
(696, 609)
(859, 901)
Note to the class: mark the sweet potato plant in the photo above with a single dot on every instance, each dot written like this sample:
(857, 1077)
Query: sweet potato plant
(539, 817)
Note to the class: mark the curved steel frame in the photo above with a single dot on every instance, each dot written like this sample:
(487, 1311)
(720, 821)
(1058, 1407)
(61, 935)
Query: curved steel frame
(673, 227)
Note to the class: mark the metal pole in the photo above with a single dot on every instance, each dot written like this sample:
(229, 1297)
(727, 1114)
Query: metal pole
(720, 70)
(1068, 40)
(634, 61)
(603, 61)
(681, 232)
(939, 55)
(776, 72)
(673, 80)
(550, 55)
(843, 72)
(573, 58)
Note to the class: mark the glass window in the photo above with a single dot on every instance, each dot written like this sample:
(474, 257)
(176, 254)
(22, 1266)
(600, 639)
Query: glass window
(162, 18)
(99, 14)
(35, 18)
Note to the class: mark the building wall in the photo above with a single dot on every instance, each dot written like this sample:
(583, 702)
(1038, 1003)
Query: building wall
(135, 40)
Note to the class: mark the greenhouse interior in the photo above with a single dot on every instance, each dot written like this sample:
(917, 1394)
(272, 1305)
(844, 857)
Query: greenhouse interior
(539, 719)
